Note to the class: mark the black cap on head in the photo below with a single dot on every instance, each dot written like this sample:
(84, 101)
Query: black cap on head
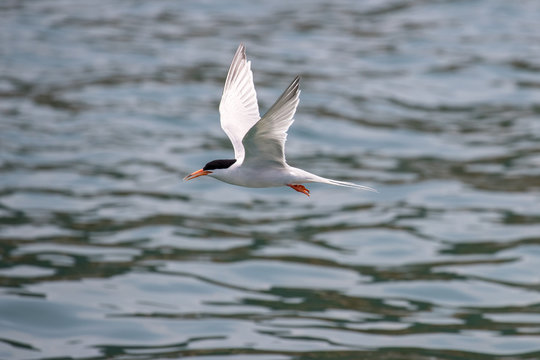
(219, 164)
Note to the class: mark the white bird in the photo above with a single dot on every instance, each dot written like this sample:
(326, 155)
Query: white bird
(259, 143)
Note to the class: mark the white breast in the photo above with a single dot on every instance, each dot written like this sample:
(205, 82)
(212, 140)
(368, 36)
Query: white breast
(264, 176)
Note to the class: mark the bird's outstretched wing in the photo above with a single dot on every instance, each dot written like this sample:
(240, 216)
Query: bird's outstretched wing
(265, 141)
(238, 108)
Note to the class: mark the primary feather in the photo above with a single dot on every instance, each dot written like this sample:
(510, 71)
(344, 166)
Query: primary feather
(238, 108)
(265, 141)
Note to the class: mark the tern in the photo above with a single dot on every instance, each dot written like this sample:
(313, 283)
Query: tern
(258, 142)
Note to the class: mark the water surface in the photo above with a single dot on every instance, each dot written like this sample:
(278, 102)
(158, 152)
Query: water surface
(106, 254)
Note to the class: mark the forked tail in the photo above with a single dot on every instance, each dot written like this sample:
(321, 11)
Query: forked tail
(345, 184)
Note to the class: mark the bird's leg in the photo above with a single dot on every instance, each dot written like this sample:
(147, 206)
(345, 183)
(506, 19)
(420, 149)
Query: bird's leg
(299, 188)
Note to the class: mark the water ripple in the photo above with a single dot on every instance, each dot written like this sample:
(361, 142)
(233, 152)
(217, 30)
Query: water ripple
(106, 254)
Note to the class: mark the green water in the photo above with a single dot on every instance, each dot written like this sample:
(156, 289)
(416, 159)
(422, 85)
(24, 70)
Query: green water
(106, 254)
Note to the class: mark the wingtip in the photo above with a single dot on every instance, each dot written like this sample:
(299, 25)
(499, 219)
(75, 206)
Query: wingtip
(242, 49)
(296, 82)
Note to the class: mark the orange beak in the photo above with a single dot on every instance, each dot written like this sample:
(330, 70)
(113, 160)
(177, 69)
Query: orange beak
(196, 174)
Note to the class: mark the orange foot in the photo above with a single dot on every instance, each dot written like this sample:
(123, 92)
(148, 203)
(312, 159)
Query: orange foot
(299, 188)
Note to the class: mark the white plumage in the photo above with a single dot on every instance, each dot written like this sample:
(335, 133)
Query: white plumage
(259, 143)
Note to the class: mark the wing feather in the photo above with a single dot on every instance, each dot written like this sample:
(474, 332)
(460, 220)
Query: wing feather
(265, 141)
(238, 108)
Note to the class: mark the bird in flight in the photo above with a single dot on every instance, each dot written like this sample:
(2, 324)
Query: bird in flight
(259, 143)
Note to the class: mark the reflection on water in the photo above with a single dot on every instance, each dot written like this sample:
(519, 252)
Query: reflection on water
(106, 254)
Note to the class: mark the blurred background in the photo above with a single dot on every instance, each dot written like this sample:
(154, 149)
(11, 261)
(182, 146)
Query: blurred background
(106, 254)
